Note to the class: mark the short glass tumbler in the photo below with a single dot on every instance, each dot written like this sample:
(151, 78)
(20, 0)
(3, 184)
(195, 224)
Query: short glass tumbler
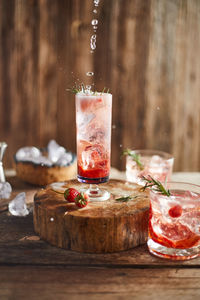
(157, 164)
(174, 222)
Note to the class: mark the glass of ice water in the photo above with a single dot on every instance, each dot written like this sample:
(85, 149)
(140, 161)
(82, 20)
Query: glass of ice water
(93, 125)
(174, 222)
(139, 163)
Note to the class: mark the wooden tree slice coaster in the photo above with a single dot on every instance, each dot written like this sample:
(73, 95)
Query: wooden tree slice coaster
(100, 227)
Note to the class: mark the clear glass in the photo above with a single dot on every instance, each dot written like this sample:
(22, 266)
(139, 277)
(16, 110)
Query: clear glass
(157, 164)
(174, 222)
(93, 126)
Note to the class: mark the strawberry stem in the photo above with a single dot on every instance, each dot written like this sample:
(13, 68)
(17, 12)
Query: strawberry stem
(57, 192)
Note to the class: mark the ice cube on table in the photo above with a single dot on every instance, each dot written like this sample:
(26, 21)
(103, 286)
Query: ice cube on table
(17, 206)
(28, 153)
(5, 190)
(55, 151)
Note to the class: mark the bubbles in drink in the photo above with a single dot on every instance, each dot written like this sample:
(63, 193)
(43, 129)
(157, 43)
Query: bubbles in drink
(93, 41)
(94, 22)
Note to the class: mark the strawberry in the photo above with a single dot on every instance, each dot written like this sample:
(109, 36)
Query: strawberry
(70, 194)
(81, 200)
(175, 211)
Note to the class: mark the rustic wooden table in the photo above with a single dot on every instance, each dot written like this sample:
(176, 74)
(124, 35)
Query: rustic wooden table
(32, 269)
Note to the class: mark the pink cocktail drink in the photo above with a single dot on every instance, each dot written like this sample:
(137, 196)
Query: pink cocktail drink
(174, 222)
(157, 164)
(93, 120)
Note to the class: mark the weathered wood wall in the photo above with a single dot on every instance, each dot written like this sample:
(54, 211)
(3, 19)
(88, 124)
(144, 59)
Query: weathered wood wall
(147, 54)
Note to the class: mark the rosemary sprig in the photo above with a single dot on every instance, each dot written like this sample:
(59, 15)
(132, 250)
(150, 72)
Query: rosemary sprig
(103, 90)
(135, 157)
(155, 185)
(125, 198)
(82, 88)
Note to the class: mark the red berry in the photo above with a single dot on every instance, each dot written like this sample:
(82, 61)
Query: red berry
(82, 200)
(70, 194)
(175, 211)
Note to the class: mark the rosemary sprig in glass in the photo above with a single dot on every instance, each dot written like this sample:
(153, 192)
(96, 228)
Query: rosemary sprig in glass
(135, 157)
(155, 185)
(82, 88)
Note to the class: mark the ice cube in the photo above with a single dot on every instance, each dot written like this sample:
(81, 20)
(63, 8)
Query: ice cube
(55, 151)
(5, 190)
(84, 119)
(97, 135)
(42, 160)
(17, 206)
(65, 159)
(155, 166)
(155, 161)
(92, 155)
(27, 153)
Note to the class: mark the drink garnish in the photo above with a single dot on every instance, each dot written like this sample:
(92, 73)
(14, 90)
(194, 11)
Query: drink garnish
(82, 88)
(126, 198)
(77, 89)
(155, 185)
(103, 91)
(134, 156)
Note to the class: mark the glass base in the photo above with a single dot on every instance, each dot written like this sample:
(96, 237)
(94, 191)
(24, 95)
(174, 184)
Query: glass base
(92, 180)
(172, 253)
(96, 194)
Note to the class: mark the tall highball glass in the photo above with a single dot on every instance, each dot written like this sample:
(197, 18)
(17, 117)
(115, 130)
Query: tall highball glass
(93, 132)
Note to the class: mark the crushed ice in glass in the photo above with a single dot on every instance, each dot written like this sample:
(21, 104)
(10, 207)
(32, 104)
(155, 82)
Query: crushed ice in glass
(17, 207)
(5, 190)
(56, 154)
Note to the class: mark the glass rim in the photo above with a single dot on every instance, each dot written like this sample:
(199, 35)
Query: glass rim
(161, 153)
(189, 184)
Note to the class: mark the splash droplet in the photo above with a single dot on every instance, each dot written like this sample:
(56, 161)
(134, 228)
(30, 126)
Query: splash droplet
(95, 27)
(93, 41)
(94, 22)
(90, 74)
(96, 2)
(95, 11)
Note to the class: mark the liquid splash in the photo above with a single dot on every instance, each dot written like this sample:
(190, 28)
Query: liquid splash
(94, 22)
(90, 73)
(93, 40)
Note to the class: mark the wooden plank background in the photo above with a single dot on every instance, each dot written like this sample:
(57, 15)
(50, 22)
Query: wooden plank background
(147, 54)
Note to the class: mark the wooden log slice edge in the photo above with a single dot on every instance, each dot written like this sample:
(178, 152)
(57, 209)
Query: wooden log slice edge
(100, 227)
